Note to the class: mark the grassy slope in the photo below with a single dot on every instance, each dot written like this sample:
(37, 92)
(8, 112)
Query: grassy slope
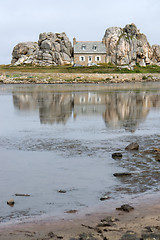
(103, 68)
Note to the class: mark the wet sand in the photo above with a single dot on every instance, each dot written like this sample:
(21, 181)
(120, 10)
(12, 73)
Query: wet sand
(140, 223)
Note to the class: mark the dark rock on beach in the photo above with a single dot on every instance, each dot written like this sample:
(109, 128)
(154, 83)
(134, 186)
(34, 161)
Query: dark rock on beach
(104, 198)
(150, 236)
(124, 174)
(62, 191)
(72, 211)
(129, 235)
(22, 195)
(151, 233)
(125, 208)
(109, 219)
(85, 236)
(117, 155)
(54, 236)
(132, 146)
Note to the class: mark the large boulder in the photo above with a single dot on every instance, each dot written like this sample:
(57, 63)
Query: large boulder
(127, 46)
(23, 52)
(51, 49)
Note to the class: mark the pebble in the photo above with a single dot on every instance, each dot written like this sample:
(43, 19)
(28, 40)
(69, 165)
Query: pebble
(11, 202)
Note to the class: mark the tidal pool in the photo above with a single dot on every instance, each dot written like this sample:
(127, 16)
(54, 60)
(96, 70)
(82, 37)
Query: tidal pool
(56, 138)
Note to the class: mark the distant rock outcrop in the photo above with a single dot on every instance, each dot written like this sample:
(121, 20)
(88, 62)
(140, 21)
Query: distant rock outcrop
(127, 46)
(51, 49)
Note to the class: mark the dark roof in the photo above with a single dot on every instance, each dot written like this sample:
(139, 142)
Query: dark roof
(89, 47)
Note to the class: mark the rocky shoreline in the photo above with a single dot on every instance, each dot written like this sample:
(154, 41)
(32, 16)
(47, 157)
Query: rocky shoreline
(60, 78)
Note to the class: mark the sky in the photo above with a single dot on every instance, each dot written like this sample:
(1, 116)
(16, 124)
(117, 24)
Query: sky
(22, 21)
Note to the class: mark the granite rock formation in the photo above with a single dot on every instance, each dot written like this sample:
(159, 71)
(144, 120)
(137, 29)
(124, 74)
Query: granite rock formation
(127, 46)
(51, 49)
(24, 52)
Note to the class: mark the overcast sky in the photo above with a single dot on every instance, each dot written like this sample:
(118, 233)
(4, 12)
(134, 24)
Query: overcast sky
(23, 20)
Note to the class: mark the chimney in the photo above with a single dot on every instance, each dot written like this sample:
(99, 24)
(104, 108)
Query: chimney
(103, 40)
(74, 41)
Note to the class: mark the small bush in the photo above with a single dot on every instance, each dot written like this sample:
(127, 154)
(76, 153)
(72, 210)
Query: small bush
(145, 77)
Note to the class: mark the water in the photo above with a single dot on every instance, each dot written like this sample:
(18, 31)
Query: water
(62, 138)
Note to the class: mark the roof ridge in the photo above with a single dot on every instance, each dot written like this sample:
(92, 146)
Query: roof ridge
(88, 41)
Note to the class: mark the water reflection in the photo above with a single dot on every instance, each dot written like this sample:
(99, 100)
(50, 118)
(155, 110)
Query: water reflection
(118, 109)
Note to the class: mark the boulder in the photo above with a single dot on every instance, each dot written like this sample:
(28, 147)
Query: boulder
(132, 146)
(127, 46)
(51, 49)
(22, 51)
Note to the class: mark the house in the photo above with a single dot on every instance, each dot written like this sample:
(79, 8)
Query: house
(89, 52)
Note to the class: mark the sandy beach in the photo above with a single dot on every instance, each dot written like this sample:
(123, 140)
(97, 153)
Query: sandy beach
(142, 222)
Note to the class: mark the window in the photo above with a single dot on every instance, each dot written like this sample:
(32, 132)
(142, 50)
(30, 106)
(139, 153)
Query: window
(97, 58)
(89, 59)
(83, 47)
(94, 47)
(98, 100)
(89, 99)
(81, 58)
(82, 99)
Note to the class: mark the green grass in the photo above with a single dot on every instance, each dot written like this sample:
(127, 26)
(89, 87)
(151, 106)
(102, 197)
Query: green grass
(103, 68)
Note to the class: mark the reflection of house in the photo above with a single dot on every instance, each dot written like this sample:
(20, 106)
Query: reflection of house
(89, 52)
(89, 104)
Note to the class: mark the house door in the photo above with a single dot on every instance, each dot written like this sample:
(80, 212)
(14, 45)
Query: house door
(89, 59)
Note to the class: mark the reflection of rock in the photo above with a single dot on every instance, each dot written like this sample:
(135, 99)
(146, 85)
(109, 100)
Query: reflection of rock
(25, 101)
(55, 108)
(52, 107)
(127, 110)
